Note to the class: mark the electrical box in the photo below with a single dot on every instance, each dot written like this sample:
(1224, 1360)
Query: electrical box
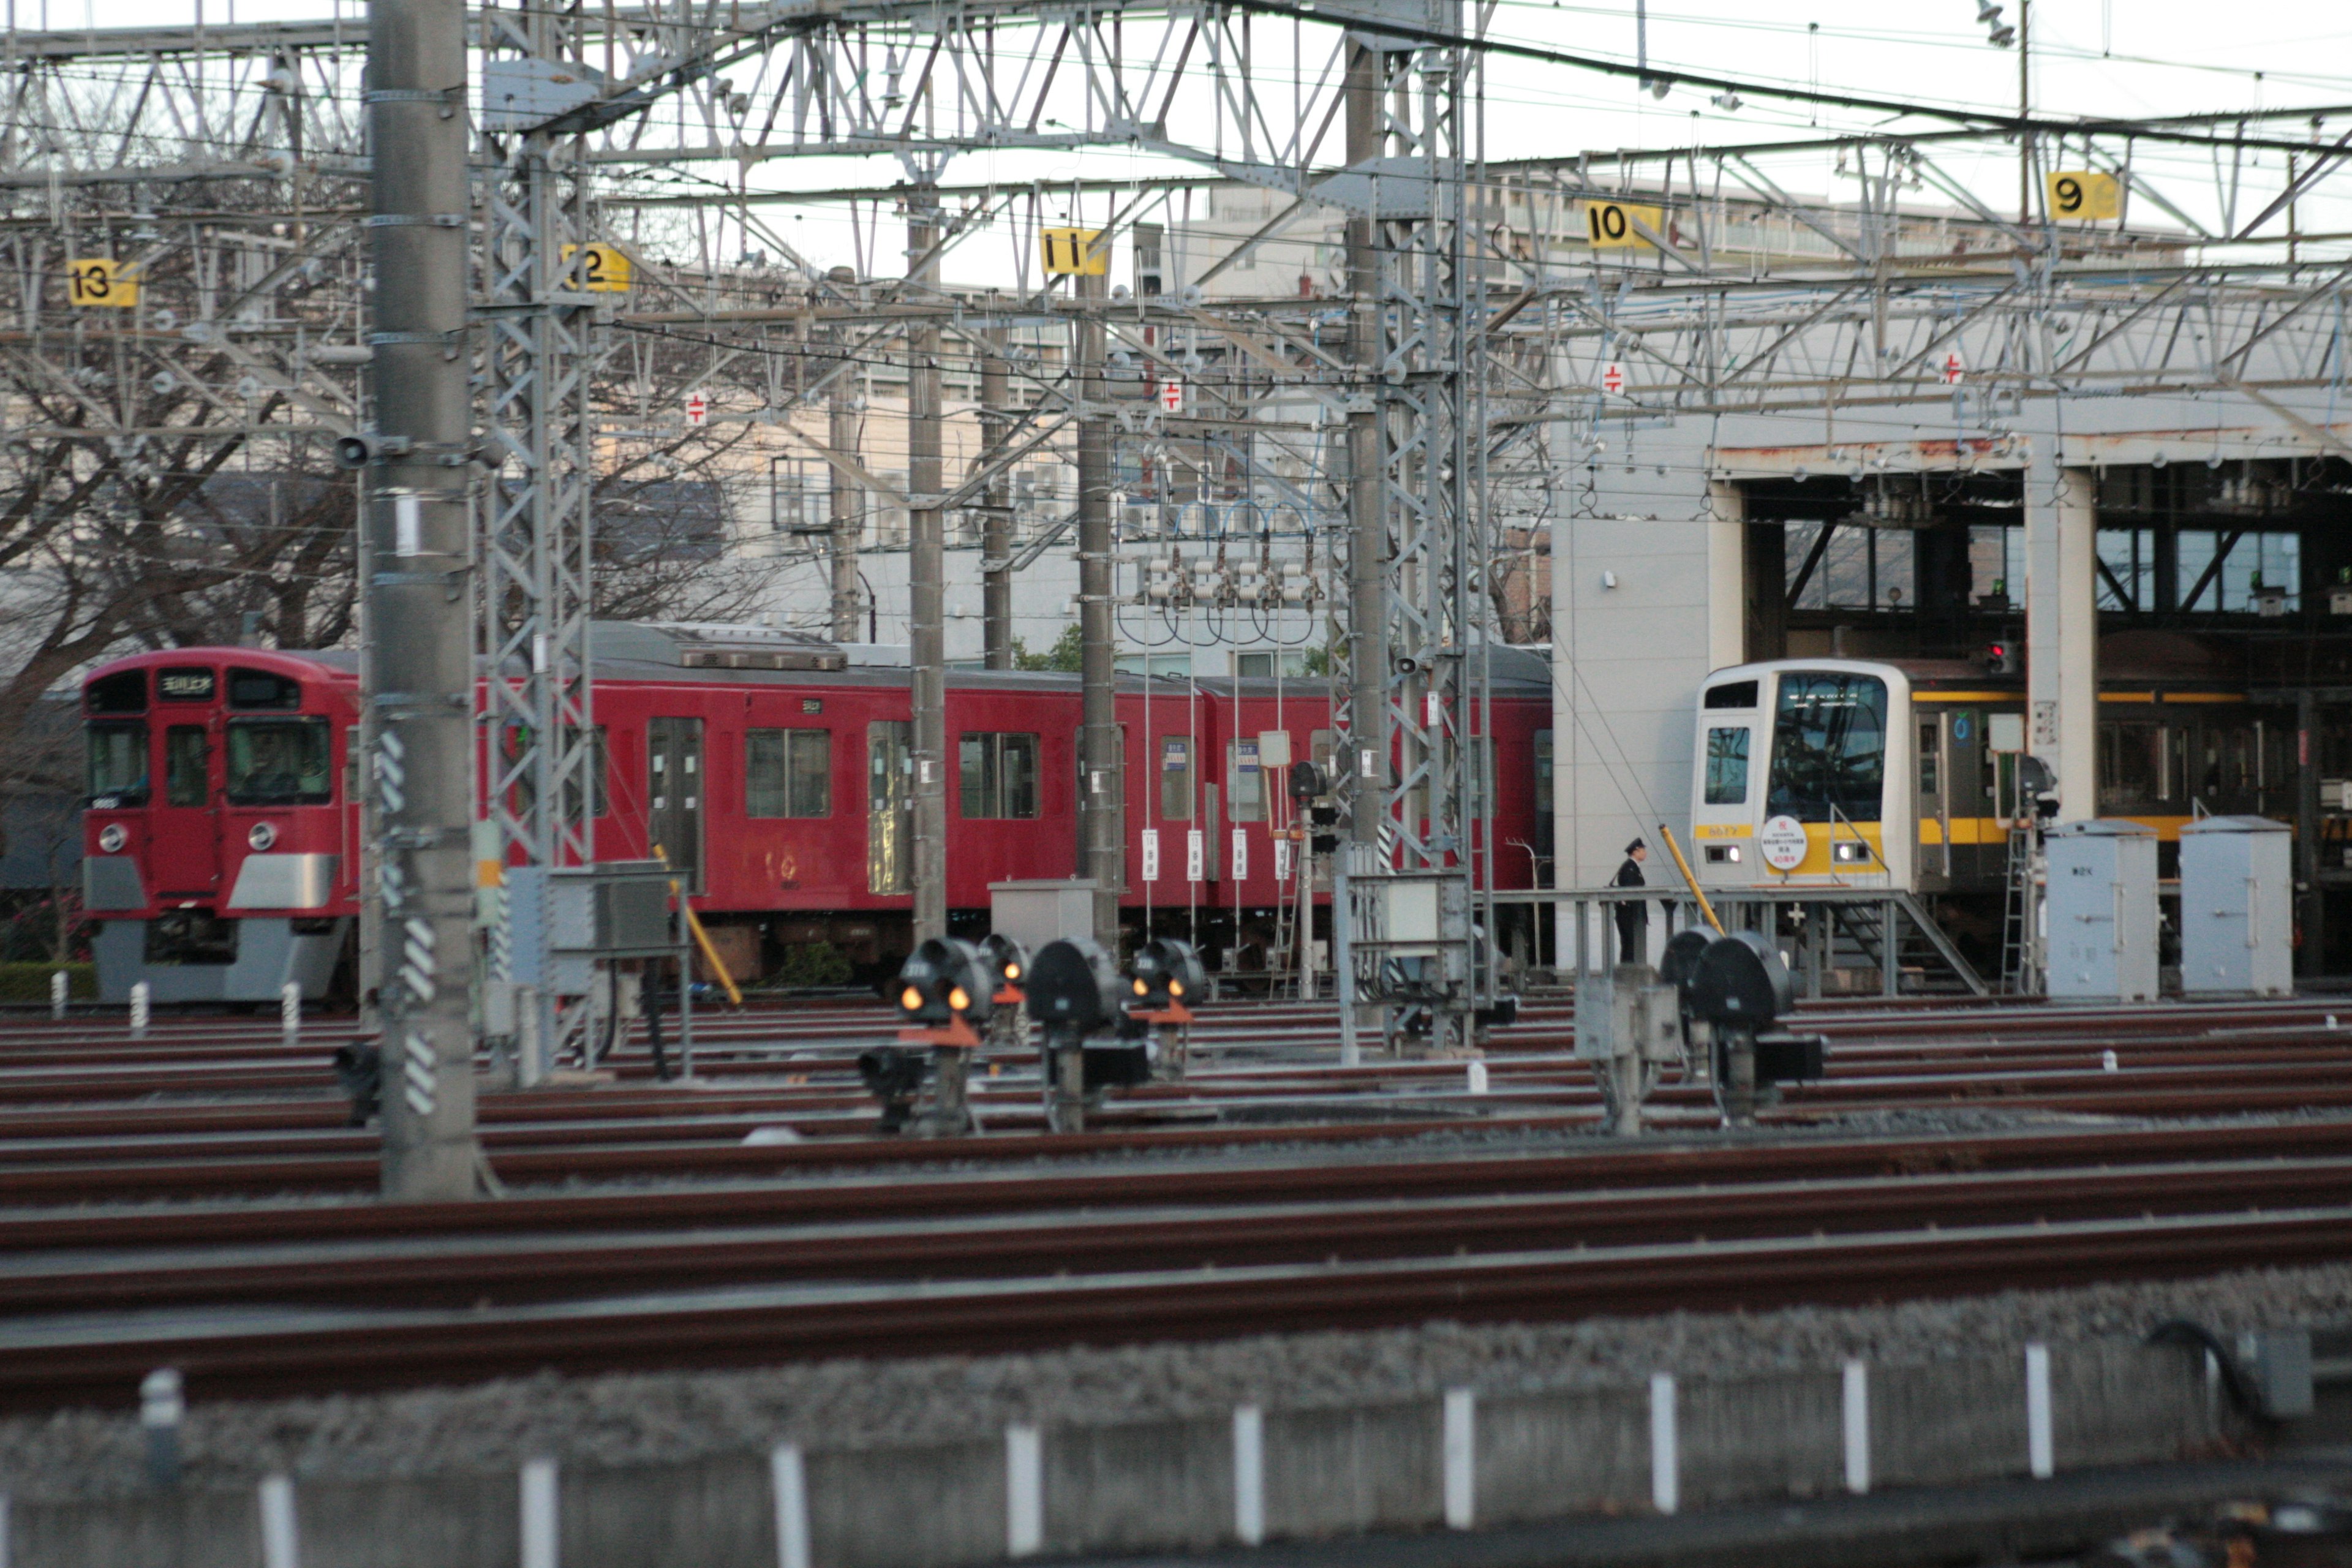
(1623, 1011)
(2237, 895)
(2101, 912)
(1036, 913)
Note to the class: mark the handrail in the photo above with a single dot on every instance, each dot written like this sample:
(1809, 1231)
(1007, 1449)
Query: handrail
(1676, 851)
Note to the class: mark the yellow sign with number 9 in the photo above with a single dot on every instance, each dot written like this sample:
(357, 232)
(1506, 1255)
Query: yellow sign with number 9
(2081, 196)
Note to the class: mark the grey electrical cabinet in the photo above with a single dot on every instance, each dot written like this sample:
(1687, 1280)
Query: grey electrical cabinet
(2237, 892)
(1034, 914)
(2101, 909)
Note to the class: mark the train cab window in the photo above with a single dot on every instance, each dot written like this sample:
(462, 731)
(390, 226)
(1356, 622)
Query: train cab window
(788, 773)
(187, 765)
(999, 775)
(186, 684)
(122, 693)
(118, 765)
(1829, 748)
(1727, 765)
(279, 761)
(1244, 782)
(251, 689)
(1175, 778)
(1732, 694)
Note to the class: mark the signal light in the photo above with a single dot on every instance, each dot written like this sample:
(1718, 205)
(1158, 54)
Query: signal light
(2001, 658)
(1163, 970)
(944, 982)
(1003, 962)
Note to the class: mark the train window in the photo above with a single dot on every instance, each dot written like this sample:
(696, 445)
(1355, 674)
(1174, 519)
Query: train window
(1175, 778)
(788, 773)
(1732, 694)
(1931, 758)
(187, 765)
(1244, 782)
(1829, 748)
(118, 764)
(122, 693)
(598, 805)
(279, 761)
(1543, 773)
(999, 775)
(261, 688)
(2132, 773)
(1727, 766)
(184, 685)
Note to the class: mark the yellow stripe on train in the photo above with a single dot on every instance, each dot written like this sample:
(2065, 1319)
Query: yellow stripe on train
(1995, 829)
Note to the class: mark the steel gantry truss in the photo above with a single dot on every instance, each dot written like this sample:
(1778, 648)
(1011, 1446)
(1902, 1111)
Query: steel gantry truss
(1394, 430)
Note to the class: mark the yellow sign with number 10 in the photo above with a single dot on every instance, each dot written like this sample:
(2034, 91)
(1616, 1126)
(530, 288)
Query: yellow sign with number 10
(2080, 196)
(101, 281)
(1615, 225)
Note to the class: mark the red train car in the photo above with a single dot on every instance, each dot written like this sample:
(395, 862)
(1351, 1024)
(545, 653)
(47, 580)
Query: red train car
(784, 796)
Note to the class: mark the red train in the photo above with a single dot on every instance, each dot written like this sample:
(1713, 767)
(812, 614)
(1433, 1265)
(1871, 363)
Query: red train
(223, 829)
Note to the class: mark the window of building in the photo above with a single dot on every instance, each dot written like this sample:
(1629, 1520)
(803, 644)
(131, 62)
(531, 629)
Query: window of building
(279, 761)
(1858, 568)
(1727, 766)
(789, 772)
(187, 765)
(2126, 579)
(999, 775)
(2253, 561)
(1244, 782)
(1175, 778)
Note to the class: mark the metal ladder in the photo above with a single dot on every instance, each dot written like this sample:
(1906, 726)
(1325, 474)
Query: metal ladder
(2020, 950)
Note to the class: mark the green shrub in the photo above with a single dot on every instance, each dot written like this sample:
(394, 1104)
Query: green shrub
(30, 982)
(811, 963)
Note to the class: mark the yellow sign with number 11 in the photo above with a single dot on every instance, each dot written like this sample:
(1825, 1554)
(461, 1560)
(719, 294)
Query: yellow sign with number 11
(101, 281)
(1076, 252)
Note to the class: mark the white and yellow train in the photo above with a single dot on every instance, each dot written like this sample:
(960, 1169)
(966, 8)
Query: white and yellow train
(1906, 774)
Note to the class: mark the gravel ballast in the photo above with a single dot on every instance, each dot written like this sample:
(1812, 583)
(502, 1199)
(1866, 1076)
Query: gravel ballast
(671, 1417)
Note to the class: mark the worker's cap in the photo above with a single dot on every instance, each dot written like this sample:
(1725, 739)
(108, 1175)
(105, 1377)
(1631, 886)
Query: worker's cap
(1637, 844)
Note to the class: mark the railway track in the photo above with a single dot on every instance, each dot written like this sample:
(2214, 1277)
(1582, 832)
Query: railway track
(1281, 1192)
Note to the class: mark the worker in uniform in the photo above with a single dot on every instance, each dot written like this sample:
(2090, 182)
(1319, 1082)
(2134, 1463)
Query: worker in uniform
(1632, 916)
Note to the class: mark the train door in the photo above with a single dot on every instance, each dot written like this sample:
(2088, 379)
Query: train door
(890, 807)
(1934, 788)
(183, 830)
(675, 788)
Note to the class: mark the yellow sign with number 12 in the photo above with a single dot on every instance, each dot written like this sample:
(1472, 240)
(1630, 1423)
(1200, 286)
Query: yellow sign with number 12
(101, 281)
(605, 269)
(2081, 196)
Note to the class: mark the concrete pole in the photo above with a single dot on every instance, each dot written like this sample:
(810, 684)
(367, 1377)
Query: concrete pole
(422, 690)
(1367, 530)
(996, 586)
(844, 510)
(2061, 632)
(1101, 808)
(926, 579)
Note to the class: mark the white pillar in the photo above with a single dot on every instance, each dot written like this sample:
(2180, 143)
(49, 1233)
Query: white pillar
(2062, 631)
(1727, 576)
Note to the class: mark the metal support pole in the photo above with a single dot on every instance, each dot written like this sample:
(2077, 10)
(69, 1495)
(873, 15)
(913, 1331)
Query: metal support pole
(1100, 810)
(996, 581)
(844, 510)
(926, 580)
(422, 694)
(1364, 796)
(2310, 903)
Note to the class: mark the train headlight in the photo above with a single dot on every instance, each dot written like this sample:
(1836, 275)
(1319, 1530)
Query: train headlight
(112, 837)
(1850, 852)
(262, 836)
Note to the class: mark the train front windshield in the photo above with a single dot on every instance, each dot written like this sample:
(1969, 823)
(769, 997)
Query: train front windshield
(279, 761)
(1829, 747)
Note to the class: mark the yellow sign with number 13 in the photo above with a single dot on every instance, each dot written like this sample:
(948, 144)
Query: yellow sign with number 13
(101, 281)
